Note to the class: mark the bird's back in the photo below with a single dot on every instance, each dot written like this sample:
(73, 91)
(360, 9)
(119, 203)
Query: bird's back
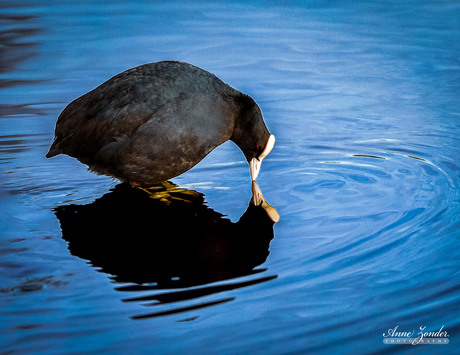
(119, 106)
(149, 123)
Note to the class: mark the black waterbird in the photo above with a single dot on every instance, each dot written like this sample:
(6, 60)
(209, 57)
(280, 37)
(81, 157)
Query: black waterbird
(153, 122)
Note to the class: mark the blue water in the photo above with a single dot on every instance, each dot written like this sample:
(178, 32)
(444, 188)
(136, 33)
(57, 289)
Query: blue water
(363, 98)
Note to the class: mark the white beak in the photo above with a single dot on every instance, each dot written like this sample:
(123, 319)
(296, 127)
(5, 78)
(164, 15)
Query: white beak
(254, 168)
(255, 164)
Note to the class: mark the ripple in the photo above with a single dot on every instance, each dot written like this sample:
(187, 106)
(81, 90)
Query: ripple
(33, 285)
(183, 309)
(367, 156)
(12, 144)
(181, 296)
(400, 192)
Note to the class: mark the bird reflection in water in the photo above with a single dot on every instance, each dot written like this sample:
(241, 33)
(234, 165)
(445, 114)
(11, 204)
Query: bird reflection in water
(166, 237)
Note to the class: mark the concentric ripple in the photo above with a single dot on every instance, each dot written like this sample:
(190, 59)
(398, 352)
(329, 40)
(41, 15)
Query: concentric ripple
(342, 190)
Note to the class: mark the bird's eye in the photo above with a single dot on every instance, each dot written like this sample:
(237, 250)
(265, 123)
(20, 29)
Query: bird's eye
(258, 147)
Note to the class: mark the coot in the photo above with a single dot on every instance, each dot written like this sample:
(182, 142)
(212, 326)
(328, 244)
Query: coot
(153, 122)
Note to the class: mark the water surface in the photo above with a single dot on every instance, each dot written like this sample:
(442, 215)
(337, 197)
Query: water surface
(363, 100)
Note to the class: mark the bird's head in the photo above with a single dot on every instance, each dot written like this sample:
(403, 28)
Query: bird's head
(251, 135)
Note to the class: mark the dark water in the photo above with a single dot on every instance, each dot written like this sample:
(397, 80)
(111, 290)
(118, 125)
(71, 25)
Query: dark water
(364, 99)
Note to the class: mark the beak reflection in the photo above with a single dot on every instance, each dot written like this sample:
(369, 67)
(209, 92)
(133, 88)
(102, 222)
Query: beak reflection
(167, 237)
(259, 200)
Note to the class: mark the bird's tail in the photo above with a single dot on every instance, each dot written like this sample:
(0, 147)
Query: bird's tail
(54, 150)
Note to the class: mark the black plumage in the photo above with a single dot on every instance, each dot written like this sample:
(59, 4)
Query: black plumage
(155, 121)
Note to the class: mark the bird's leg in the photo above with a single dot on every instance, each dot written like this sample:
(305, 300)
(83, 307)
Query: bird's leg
(167, 191)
